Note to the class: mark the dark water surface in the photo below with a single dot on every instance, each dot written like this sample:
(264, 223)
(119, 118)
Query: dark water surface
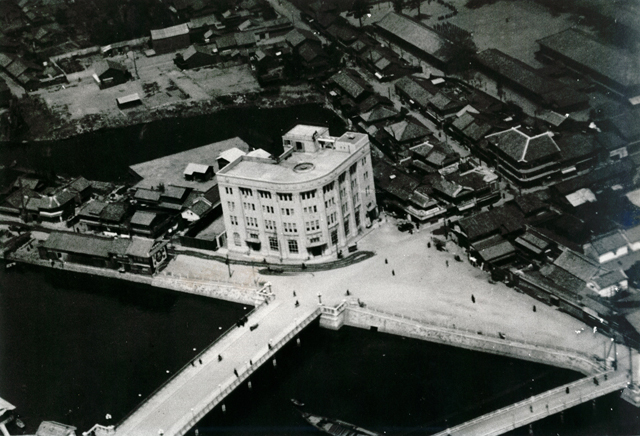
(106, 155)
(75, 347)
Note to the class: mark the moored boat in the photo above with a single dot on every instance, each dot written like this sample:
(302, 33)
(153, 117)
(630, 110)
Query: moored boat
(336, 427)
(297, 402)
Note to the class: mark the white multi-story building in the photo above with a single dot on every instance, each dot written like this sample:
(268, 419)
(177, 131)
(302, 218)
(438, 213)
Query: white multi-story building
(313, 200)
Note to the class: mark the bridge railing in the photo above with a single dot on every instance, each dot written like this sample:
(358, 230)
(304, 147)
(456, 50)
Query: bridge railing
(176, 374)
(223, 391)
(476, 333)
(595, 391)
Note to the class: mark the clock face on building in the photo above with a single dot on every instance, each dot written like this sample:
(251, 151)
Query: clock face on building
(159, 255)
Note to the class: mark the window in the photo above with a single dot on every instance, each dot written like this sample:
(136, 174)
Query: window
(298, 145)
(264, 194)
(366, 175)
(308, 195)
(293, 245)
(236, 239)
(345, 209)
(233, 219)
(343, 192)
(228, 190)
(286, 211)
(251, 221)
(334, 237)
(314, 239)
(269, 225)
(357, 216)
(354, 185)
(287, 142)
(364, 160)
(367, 190)
(246, 192)
(353, 168)
(331, 218)
(290, 227)
(285, 197)
(328, 188)
(346, 226)
(253, 236)
(342, 177)
(315, 209)
(231, 205)
(356, 198)
(267, 209)
(273, 244)
(249, 206)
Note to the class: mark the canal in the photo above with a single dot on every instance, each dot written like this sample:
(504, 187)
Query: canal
(74, 348)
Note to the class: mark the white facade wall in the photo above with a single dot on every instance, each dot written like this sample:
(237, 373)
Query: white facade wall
(323, 216)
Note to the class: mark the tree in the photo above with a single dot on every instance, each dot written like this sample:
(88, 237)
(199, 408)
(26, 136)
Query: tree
(414, 4)
(360, 8)
(397, 5)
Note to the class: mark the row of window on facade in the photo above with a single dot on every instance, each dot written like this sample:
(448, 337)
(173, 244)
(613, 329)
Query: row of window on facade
(292, 244)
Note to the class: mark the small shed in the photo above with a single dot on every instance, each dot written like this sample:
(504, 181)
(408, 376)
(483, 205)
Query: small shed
(128, 101)
(110, 73)
(196, 56)
(52, 428)
(198, 172)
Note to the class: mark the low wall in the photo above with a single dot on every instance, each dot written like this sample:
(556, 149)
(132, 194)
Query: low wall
(569, 359)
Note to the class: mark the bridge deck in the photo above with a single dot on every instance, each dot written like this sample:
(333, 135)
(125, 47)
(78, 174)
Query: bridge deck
(541, 406)
(197, 389)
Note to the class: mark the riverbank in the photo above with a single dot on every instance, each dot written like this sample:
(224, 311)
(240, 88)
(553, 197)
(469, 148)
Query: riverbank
(45, 124)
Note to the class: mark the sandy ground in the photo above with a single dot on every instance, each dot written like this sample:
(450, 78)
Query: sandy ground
(408, 278)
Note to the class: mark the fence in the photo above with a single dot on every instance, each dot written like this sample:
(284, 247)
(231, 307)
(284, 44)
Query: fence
(222, 392)
(488, 338)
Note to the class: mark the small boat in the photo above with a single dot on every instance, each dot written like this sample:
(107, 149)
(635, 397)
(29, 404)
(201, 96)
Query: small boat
(336, 427)
(10, 265)
(20, 423)
(297, 403)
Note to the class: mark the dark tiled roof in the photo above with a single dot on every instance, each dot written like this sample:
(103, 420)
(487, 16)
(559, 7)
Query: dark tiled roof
(531, 203)
(517, 71)
(623, 167)
(576, 145)
(143, 218)
(193, 50)
(524, 148)
(140, 247)
(169, 32)
(298, 36)
(342, 32)
(379, 113)
(92, 209)
(609, 242)
(79, 243)
(103, 66)
(610, 278)
(175, 192)
(350, 83)
(577, 265)
(407, 130)
(200, 207)
(414, 91)
(114, 212)
(494, 248)
(608, 61)
(147, 194)
(417, 35)
(80, 184)
(479, 225)
(310, 52)
(610, 140)
(559, 277)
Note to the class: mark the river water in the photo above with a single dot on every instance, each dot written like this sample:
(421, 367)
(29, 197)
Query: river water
(74, 347)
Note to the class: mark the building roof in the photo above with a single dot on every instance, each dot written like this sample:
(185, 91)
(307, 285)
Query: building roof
(407, 130)
(533, 242)
(232, 154)
(613, 63)
(344, 33)
(524, 148)
(79, 184)
(577, 264)
(147, 194)
(102, 67)
(170, 32)
(207, 20)
(559, 277)
(594, 177)
(259, 152)
(200, 207)
(175, 192)
(576, 145)
(494, 248)
(226, 41)
(192, 50)
(129, 98)
(633, 234)
(417, 35)
(581, 196)
(517, 71)
(609, 242)
(310, 52)
(194, 168)
(140, 247)
(143, 218)
(298, 36)
(79, 243)
(449, 188)
(610, 278)
(478, 225)
(350, 82)
(378, 113)
(92, 209)
(531, 203)
(414, 91)
(244, 38)
(52, 428)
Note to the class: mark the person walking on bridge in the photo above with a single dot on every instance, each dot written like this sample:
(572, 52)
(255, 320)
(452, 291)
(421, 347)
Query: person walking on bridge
(235, 371)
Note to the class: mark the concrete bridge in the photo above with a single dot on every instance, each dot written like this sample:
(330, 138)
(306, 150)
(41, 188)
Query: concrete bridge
(206, 381)
(541, 406)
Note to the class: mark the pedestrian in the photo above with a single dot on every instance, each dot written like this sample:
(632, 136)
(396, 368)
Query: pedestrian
(567, 390)
(270, 346)
(348, 293)
(235, 371)
(294, 294)
(193, 363)
(447, 263)
(250, 362)
(200, 360)
(393, 272)
(385, 261)
(595, 381)
(473, 298)
(428, 244)
(297, 303)
(534, 307)
(219, 357)
(531, 409)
